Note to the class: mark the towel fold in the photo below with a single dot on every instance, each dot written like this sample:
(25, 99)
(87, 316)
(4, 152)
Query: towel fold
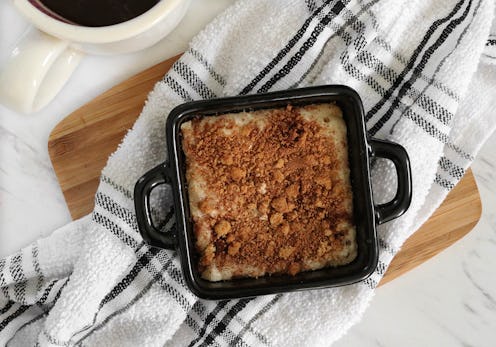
(425, 71)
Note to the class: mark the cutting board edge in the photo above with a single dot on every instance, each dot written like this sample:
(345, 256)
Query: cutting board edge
(61, 128)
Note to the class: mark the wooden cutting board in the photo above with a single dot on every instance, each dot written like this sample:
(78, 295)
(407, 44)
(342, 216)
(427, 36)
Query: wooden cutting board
(81, 143)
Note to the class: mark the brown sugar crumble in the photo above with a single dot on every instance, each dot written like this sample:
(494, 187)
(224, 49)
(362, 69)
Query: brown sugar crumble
(269, 191)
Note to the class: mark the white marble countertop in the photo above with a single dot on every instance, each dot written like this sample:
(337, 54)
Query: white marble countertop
(448, 301)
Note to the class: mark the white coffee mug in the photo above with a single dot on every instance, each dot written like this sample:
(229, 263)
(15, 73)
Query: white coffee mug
(44, 59)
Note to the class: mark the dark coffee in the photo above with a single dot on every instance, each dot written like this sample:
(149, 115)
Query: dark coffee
(99, 13)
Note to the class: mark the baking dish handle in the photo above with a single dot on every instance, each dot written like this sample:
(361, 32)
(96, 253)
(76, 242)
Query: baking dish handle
(401, 201)
(142, 191)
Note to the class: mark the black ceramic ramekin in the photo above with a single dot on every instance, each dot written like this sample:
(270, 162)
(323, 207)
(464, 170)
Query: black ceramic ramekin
(366, 214)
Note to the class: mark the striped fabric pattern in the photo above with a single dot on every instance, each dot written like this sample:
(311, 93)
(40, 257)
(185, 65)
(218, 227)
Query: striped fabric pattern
(414, 63)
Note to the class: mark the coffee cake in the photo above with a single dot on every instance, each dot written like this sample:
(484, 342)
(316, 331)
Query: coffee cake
(269, 191)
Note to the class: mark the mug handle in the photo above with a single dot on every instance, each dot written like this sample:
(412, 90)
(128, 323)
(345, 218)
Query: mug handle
(142, 191)
(36, 71)
(403, 197)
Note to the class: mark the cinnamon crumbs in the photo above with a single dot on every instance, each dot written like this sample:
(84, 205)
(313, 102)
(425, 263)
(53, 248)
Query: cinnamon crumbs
(270, 191)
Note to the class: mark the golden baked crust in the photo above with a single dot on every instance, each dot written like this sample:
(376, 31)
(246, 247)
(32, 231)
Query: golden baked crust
(269, 191)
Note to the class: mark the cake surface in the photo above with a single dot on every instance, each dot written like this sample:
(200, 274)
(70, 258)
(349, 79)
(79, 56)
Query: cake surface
(269, 191)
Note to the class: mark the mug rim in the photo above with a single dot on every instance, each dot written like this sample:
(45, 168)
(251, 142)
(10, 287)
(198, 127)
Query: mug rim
(104, 34)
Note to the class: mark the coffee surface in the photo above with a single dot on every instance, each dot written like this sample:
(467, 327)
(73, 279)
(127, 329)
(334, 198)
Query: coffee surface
(98, 13)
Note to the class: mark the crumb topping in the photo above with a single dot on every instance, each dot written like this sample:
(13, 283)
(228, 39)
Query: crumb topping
(269, 192)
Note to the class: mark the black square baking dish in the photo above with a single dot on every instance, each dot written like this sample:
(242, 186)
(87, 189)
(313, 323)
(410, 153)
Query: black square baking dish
(365, 214)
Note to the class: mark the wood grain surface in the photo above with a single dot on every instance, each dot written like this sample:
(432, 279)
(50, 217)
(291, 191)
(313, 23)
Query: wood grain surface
(81, 143)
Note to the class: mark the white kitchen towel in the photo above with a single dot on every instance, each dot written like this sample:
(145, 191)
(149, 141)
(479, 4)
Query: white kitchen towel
(417, 66)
